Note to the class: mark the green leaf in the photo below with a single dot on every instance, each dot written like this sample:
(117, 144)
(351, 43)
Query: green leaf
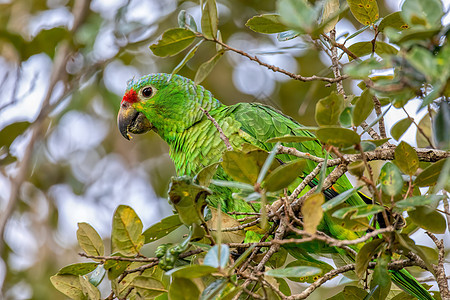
(443, 181)
(345, 119)
(183, 288)
(216, 258)
(185, 20)
(121, 288)
(427, 13)
(428, 220)
(126, 235)
(287, 35)
(378, 143)
(422, 200)
(441, 124)
(365, 11)
(186, 58)
(424, 61)
(391, 179)
(284, 175)
(358, 211)
(357, 168)
(162, 228)
(350, 293)
(245, 167)
(400, 127)
(116, 267)
(69, 285)
(360, 70)
(430, 175)
(214, 289)
(356, 33)
(339, 137)
(363, 107)
(329, 9)
(304, 260)
(312, 212)
(300, 271)
(368, 146)
(188, 199)
(78, 268)
(209, 19)
(329, 108)
(267, 23)
(298, 15)
(148, 287)
(89, 289)
(381, 277)
(291, 139)
(409, 245)
(267, 163)
(365, 255)
(192, 271)
(240, 167)
(283, 286)
(234, 184)
(206, 67)
(406, 158)
(412, 34)
(173, 41)
(97, 275)
(393, 20)
(339, 199)
(10, 132)
(278, 259)
(425, 125)
(365, 48)
(89, 240)
(205, 175)
(323, 172)
(225, 221)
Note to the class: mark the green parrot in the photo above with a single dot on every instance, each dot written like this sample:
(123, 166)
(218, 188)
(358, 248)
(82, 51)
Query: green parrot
(171, 105)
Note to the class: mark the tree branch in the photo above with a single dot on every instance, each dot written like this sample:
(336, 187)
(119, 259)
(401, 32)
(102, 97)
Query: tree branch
(439, 269)
(272, 67)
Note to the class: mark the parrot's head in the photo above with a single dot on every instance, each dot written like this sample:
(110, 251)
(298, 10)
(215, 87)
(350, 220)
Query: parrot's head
(163, 103)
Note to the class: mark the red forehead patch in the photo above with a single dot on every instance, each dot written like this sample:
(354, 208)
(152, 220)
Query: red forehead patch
(130, 97)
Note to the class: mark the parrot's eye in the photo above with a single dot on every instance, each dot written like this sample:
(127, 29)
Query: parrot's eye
(147, 92)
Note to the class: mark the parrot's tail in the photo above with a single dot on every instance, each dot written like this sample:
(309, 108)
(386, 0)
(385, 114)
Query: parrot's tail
(409, 284)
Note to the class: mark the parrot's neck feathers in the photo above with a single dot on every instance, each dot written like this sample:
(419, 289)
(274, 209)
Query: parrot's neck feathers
(190, 98)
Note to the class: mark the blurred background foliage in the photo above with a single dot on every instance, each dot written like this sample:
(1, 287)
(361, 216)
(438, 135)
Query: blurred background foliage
(63, 68)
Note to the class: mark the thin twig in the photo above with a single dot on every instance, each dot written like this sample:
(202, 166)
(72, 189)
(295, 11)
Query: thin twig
(279, 234)
(381, 126)
(272, 67)
(222, 135)
(321, 280)
(340, 46)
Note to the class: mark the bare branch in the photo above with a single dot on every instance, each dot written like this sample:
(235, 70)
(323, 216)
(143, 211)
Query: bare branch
(439, 269)
(272, 67)
(335, 63)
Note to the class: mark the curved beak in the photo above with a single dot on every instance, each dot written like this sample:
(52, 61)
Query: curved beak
(130, 120)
